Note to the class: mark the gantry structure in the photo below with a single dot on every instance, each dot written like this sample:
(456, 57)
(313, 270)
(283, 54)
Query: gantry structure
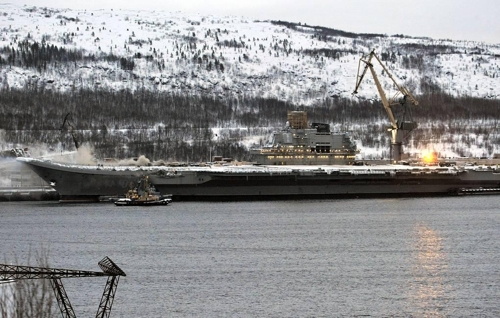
(12, 273)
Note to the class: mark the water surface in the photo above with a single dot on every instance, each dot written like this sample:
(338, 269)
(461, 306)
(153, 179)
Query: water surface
(435, 257)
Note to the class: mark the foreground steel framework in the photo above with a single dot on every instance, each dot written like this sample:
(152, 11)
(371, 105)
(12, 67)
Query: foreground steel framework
(10, 273)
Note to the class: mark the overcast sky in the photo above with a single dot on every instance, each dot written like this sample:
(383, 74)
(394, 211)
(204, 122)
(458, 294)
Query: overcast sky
(477, 20)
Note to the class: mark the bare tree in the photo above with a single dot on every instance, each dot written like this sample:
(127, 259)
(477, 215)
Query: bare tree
(30, 298)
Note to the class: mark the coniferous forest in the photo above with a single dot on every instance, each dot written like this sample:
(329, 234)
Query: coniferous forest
(174, 127)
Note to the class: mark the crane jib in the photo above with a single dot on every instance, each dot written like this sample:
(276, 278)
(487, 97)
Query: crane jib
(402, 127)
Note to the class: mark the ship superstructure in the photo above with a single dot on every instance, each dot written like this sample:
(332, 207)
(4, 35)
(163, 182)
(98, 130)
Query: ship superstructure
(299, 143)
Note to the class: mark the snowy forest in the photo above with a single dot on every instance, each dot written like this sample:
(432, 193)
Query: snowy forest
(175, 87)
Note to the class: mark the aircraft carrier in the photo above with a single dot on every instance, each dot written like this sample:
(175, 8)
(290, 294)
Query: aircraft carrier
(249, 182)
(299, 162)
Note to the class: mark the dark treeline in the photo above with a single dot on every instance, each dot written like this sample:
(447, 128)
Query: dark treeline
(175, 127)
(324, 31)
(329, 53)
(36, 55)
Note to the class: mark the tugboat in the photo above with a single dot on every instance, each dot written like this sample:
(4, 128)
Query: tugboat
(144, 194)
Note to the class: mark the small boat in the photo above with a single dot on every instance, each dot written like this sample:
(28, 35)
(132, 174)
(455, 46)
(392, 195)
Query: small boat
(144, 194)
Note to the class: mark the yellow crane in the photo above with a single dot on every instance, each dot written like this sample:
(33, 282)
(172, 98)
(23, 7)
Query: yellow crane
(400, 128)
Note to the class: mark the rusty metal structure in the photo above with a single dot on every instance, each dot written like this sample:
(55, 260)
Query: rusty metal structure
(11, 273)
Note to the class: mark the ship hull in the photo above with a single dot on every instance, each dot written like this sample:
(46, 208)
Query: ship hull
(264, 183)
(317, 186)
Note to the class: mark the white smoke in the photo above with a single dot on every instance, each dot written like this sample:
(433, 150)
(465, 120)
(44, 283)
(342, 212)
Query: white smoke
(4, 175)
(85, 155)
(5, 163)
(2, 137)
(141, 161)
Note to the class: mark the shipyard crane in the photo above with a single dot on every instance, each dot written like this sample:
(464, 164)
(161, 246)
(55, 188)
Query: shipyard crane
(400, 128)
(11, 273)
(70, 128)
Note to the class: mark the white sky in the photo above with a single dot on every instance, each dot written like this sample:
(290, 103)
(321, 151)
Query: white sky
(477, 20)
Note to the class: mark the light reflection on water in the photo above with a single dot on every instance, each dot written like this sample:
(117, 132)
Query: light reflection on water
(429, 289)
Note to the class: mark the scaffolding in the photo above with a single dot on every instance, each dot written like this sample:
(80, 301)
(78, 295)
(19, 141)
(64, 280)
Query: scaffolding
(297, 119)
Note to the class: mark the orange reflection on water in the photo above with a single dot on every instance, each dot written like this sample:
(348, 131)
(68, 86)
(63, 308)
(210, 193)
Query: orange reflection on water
(428, 289)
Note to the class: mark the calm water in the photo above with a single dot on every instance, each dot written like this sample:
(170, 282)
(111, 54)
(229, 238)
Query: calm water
(435, 257)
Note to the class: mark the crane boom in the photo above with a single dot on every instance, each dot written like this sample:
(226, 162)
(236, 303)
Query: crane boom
(402, 97)
(70, 129)
(385, 102)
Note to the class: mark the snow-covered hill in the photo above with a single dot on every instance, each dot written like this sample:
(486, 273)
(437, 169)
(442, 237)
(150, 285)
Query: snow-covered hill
(194, 54)
(235, 57)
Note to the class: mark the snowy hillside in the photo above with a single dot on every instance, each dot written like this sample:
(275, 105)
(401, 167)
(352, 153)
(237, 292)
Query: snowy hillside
(229, 60)
(234, 55)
